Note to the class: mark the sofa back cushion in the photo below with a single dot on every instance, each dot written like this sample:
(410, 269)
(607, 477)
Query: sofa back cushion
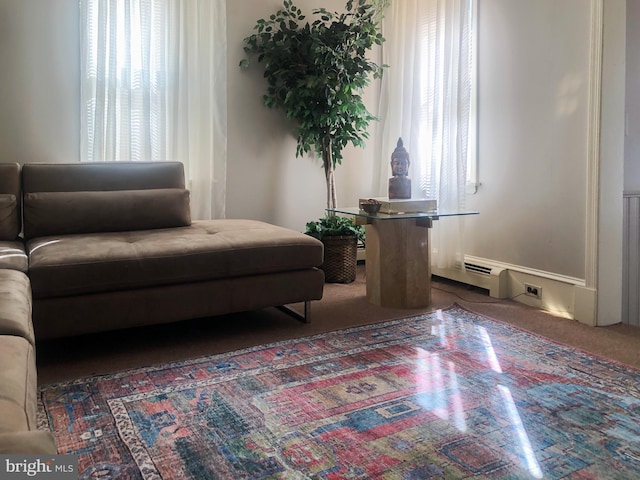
(9, 217)
(61, 199)
(83, 177)
(10, 225)
(61, 213)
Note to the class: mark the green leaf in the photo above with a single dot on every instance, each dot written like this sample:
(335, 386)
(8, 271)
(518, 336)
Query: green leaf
(334, 225)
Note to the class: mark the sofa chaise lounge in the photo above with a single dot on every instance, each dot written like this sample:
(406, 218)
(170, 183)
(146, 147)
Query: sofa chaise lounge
(107, 246)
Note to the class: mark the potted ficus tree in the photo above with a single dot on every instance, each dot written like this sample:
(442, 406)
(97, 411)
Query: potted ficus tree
(316, 73)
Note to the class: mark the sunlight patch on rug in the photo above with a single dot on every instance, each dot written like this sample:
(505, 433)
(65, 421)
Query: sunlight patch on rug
(445, 395)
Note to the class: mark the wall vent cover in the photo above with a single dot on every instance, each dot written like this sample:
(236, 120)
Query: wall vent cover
(472, 267)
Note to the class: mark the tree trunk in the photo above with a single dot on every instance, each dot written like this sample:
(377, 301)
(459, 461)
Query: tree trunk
(327, 163)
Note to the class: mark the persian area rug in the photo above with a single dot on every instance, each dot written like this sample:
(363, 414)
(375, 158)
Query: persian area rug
(446, 395)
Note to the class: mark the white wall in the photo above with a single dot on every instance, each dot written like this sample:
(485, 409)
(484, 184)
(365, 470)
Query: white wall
(39, 81)
(632, 138)
(551, 183)
(533, 99)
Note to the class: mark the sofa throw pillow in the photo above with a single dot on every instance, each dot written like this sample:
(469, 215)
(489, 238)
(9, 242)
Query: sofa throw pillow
(59, 213)
(9, 217)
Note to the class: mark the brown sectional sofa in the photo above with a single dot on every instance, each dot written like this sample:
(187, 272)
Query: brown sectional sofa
(18, 380)
(111, 245)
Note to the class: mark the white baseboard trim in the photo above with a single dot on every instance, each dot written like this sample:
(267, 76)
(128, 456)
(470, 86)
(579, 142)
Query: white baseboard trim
(560, 294)
(526, 270)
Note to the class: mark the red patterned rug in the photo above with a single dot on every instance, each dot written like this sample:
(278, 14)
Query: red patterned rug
(446, 395)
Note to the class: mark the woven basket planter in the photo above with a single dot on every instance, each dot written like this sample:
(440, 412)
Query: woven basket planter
(340, 258)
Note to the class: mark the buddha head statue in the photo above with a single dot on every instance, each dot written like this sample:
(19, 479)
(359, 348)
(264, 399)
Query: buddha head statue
(400, 160)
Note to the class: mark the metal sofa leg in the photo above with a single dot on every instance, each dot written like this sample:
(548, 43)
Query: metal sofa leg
(306, 318)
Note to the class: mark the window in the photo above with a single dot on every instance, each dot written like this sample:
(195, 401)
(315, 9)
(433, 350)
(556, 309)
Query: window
(124, 80)
(153, 88)
(447, 127)
(428, 98)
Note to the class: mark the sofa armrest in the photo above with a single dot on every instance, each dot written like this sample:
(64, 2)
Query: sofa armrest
(29, 442)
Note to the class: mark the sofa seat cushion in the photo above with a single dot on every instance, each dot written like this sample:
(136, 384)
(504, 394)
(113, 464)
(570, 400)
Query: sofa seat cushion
(206, 250)
(15, 305)
(18, 384)
(13, 256)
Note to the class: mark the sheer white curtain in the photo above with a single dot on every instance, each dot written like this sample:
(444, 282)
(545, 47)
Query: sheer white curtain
(153, 89)
(426, 100)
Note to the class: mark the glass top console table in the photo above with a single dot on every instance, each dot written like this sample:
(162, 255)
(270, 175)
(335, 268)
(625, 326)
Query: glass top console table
(398, 255)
